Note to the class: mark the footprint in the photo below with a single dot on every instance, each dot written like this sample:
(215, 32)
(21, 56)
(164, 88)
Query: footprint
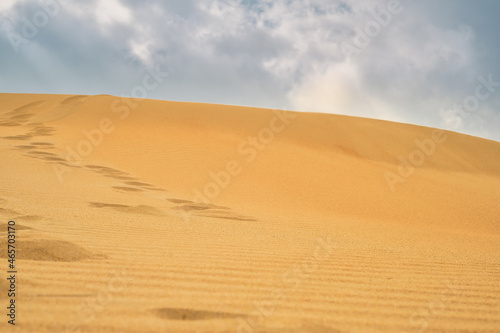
(209, 210)
(37, 130)
(127, 189)
(26, 107)
(74, 100)
(155, 189)
(229, 217)
(190, 314)
(37, 152)
(24, 117)
(4, 226)
(141, 209)
(130, 183)
(18, 137)
(54, 159)
(28, 218)
(134, 183)
(110, 172)
(191, 207)
(42, 155)
(49, 250)
(42, 130)
(25, 147)
(64, 109)
(19, 116)
(9, 124)
(106, 170)
(105, 205)
(42, 144)
(23, 109)
(301, 329)
(179, 201)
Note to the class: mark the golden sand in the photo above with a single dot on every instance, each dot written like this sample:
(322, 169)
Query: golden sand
(153, 216)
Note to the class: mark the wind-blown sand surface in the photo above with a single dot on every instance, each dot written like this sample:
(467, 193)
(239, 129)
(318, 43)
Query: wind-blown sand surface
(311, 228)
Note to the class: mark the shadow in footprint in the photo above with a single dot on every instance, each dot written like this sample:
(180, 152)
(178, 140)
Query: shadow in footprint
(27, 218)
(229, 217)
(9, 124)
(128, 189)
(49, 157)
(179, 201)
(37, 130)
(141, 209)
(21, 114)
(4, 227)
(134, 183)
(74, 100)
(21, 137)
(42, 130)
(36, 152)
(301, 329)
(25, 107)
(190, 205)
(105, 170)
(43, 145)
(190, 314)
(209, 210)
(24, 147)
(49, 250)
(65, 108)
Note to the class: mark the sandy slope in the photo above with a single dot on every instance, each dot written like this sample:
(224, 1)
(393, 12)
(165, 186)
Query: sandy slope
(151, 216)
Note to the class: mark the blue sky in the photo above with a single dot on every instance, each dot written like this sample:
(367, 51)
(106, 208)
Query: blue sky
(421, 62)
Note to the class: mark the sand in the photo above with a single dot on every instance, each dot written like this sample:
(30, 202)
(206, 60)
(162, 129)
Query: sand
(154, 216)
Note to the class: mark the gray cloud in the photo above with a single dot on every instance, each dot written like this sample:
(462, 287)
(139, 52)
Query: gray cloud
(266, 53)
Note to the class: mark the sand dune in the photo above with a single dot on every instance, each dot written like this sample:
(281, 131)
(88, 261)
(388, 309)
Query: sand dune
(153, 216)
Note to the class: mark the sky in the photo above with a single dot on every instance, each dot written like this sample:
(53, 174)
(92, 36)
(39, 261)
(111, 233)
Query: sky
(425, 62)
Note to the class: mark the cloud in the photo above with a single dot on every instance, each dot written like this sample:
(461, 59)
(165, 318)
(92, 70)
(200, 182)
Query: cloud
(393, 73)
(281, 53)
(334, 90)
(6, 5)
(111, 11)
(103, 13)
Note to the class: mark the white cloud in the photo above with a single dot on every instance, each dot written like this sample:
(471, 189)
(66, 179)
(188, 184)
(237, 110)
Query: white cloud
(112, 11)
(396, 77)
(105, 12)
(334, 91)
(6, 5)
(142, 51)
